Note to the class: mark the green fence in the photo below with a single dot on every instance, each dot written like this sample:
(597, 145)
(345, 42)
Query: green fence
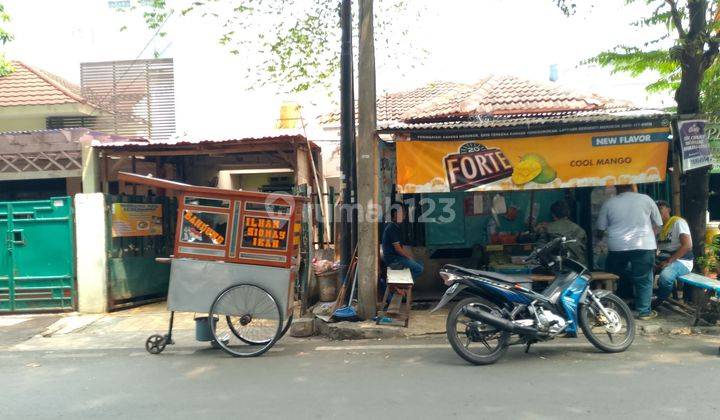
(134, 277)
(37, 259)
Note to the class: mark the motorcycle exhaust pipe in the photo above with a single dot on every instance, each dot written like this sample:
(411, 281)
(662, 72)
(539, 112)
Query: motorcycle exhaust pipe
(500, 323)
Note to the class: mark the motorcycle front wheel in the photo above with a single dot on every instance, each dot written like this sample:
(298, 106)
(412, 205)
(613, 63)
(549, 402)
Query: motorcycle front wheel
(475, 341)
(611, 335)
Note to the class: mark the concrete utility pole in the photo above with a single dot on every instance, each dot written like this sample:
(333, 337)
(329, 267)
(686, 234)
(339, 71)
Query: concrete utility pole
(367, 166)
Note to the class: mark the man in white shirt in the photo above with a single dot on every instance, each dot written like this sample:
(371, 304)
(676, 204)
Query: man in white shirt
(676, 256)
(630, 221)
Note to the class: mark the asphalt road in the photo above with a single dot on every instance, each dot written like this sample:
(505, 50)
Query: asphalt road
(669, 377)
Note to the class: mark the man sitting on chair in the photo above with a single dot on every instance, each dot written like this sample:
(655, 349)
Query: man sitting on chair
(676, 256)
(395, 255)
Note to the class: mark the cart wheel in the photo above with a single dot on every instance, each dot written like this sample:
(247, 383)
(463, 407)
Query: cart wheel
(287, 326)
(253, 320)
(155, 344)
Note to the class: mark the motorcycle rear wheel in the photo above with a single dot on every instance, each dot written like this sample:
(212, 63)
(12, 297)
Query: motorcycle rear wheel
(490, 343)
(612, 337)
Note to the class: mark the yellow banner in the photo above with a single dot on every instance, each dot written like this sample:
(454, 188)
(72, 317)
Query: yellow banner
(561, 161)
(130, 219)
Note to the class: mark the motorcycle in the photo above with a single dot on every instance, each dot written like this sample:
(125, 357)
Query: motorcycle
(496, 312)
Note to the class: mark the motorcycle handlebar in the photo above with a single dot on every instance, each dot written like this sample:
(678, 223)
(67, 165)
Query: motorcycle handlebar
(550, 245)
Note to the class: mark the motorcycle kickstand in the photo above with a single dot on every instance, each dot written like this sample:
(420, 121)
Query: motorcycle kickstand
(528, 344)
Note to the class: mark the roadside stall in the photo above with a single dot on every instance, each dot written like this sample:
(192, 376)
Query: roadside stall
(481, 192)
(235, 259)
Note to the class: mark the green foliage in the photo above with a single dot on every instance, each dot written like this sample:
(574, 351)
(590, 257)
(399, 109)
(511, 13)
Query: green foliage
(709, 261)
(5, 37)
(293, 44)
(685, 38)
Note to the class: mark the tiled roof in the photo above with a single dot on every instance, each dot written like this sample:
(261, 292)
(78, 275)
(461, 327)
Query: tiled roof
(390, 107)
(30, 86)
(507, 95)
(494, 101)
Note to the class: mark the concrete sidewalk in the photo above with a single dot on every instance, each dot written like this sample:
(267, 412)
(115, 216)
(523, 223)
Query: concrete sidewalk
(130, 328)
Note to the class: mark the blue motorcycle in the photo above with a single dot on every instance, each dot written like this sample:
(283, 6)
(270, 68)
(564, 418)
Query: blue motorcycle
(495, 311)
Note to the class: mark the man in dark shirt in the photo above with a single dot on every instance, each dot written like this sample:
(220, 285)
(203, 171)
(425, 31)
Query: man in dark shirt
(563, 226)
(394, 253)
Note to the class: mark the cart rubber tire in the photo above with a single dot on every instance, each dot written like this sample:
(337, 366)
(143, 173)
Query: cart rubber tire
(224, 344)
(155, 344)
(287, 327)
(288, 323)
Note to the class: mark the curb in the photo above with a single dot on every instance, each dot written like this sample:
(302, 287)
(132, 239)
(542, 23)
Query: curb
(655, 330)
(357, 330)
(369, 330)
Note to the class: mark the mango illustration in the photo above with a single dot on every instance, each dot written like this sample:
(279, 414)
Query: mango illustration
(526, 171)
(547, 175)
(536, 157)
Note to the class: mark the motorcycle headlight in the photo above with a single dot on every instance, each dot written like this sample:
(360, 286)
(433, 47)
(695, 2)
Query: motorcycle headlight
(448, 278)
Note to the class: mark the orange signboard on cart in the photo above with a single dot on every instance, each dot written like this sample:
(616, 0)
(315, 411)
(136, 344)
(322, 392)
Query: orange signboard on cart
(233, 226)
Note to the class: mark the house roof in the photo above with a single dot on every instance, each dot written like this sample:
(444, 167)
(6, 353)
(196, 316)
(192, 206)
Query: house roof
(540, 123)
(498, 102)
(118, 143)
(28, 85)
(390, 107)
(507, 95)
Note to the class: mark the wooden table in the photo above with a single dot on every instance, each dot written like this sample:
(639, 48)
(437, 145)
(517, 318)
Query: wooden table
(605, 280)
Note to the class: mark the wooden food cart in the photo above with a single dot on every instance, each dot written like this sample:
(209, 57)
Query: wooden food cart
(235, 258)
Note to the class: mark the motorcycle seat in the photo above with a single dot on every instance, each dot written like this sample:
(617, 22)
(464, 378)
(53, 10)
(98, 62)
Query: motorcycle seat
(488, 274)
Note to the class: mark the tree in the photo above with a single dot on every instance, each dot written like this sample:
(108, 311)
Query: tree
(5, 37)
(684, 55)
(293, 44)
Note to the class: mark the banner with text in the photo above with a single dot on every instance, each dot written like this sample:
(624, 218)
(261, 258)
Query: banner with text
(712, 130)
(561, 161)
(130, 219)
(694, 145)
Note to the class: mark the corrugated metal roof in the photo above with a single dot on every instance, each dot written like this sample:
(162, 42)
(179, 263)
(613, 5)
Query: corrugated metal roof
(531, 120)
(116, 142)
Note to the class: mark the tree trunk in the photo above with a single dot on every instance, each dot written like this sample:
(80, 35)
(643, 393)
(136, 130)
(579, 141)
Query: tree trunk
(695, 184)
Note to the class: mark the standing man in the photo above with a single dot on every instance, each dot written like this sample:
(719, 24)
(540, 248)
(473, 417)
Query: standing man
(630, 221)
(676, 256)
(563, 226)
(394, 253)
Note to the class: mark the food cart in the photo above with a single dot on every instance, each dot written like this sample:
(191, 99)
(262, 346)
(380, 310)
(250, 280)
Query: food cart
(235, 255)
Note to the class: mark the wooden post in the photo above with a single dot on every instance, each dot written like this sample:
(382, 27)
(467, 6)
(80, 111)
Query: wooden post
(367, 167)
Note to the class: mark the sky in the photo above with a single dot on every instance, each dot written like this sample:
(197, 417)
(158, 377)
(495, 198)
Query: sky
(463, 40)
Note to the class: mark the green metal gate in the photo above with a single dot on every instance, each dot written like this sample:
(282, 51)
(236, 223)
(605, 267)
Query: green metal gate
(37, 257)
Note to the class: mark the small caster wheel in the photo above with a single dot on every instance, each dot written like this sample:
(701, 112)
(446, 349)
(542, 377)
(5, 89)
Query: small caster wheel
(155, 344)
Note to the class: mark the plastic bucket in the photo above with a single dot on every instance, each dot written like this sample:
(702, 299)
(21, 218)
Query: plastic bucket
(328, 285)
(202, 329)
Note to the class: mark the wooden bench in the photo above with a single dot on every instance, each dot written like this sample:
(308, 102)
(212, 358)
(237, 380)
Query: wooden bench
(604, 280)
(399, 280)
(709, 287)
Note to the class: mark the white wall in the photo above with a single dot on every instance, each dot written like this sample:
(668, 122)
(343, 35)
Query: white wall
(90, 234)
